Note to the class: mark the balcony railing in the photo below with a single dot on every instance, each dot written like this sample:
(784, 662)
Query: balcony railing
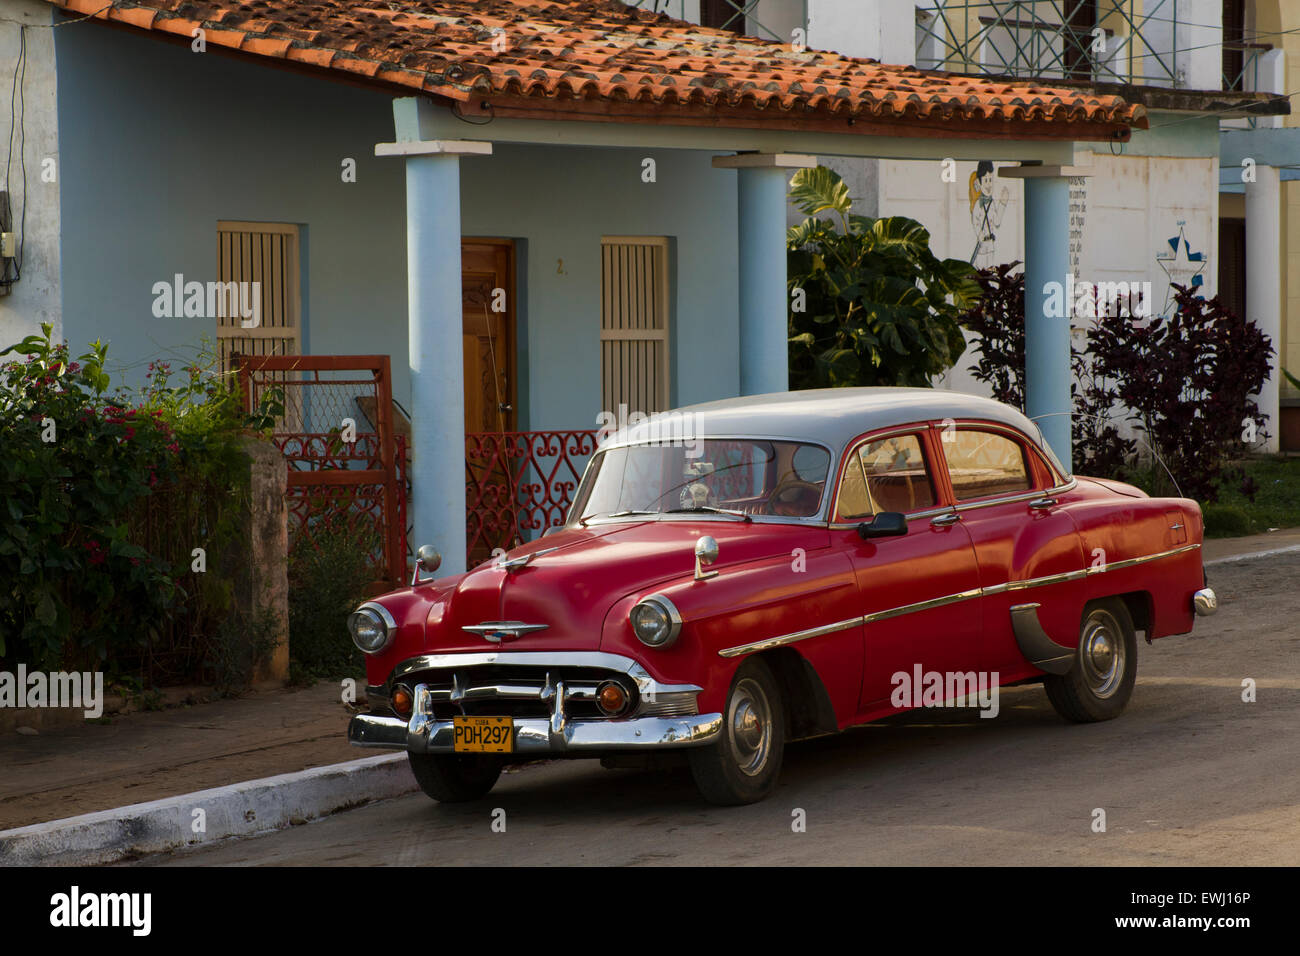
(1153, 43)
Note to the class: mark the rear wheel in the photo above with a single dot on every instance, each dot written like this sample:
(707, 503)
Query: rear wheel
(455, 778)
(742, 765)
(1100, 683)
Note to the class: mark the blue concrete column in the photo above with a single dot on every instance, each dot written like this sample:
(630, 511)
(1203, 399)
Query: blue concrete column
(762, 184)
(434, 330)
(1047, 334)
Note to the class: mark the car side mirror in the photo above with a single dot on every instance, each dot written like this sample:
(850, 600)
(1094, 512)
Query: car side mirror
(887, 524)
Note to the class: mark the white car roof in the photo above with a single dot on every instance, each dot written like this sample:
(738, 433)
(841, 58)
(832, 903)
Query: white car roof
(830, 416)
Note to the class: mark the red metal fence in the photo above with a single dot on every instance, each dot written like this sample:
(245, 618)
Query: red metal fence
(315, 403)
(519, 483)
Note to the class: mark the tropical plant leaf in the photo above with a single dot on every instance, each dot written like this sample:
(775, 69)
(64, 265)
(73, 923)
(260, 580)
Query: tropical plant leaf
(818, 190)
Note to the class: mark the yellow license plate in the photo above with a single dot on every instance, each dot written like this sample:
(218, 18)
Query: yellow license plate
(491, 735)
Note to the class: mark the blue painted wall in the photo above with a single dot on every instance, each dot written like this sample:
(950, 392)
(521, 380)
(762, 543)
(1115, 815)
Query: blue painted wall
(159, 143)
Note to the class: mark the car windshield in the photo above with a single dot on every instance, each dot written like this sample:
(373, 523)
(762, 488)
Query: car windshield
(749, 476)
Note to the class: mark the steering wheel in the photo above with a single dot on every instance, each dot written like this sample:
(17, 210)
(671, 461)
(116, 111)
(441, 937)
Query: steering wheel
(790, 485)
(690, 499)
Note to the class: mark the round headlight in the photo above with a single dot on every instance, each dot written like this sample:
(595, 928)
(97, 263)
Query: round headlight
(372, 627)
(655, 621)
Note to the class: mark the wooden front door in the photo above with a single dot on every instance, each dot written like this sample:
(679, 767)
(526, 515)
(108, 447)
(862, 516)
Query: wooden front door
(488, 316)
(488, 324)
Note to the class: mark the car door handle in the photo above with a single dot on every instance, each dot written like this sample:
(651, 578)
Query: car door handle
(946, 520)
(1041, 503)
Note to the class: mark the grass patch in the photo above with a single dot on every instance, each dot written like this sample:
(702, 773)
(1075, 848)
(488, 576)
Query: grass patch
(1276, 504)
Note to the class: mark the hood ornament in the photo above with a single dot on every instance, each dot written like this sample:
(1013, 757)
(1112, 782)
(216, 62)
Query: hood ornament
(499, 632)
(514, 564)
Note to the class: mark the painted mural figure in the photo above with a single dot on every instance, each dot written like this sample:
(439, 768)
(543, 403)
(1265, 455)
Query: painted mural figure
(985, 214)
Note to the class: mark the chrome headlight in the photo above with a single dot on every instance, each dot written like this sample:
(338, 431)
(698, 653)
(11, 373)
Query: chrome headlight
(655, 621)
(372, 627)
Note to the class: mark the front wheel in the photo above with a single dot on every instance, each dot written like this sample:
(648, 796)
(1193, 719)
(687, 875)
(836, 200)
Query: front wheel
(742, 765)
(1100, 683)
(455, 778)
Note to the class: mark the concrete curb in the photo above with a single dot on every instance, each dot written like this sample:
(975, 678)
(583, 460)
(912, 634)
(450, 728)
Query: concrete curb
(241, 809)
(1254, 554)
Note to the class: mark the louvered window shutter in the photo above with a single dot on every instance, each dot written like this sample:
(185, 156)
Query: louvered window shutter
(634, 335)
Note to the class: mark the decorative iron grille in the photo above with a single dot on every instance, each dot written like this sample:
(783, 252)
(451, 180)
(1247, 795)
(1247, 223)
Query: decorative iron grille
(517, 484)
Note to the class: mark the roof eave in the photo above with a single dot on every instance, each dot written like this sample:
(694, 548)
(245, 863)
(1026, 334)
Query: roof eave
(952, 126)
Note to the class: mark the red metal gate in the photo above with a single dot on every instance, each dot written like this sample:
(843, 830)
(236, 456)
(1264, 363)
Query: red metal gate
(316, 403)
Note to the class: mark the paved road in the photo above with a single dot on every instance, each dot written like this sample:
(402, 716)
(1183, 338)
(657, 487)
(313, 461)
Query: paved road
(1189, 775)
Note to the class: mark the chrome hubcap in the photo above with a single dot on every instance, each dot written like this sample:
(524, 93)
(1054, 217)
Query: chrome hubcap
(1103, 655)
(751, 727)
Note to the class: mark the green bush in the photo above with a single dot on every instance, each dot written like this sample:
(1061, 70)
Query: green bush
(106, 496)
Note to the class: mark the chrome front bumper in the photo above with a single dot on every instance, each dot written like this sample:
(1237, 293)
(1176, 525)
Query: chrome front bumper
(664, 716)
(424, 735)
(1205, 602)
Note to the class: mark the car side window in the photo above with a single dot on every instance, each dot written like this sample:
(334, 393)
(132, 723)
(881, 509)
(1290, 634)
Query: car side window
(982, 463)
(888, 474)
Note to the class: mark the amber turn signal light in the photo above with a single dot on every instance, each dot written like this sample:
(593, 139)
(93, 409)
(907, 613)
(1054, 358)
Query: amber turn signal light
(403, 700)
(611, 698)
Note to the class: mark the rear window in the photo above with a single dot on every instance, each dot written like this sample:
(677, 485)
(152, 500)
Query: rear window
(982, 463)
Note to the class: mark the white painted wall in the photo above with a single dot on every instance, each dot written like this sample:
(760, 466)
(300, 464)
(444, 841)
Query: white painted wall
(1132, 206)
(35, 298)
(883, 30)
(1199, 33)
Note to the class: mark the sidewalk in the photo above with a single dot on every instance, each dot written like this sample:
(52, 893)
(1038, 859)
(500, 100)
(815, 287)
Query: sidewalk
(1217, 549)
(143, 757)
(146, 756)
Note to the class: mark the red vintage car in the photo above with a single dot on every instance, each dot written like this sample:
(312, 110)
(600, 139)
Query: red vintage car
(742, 573)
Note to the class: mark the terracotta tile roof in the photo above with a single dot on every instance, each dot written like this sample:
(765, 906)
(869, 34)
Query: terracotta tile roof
(599, 59)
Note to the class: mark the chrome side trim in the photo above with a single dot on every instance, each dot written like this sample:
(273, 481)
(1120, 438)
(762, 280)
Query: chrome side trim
(922, 605)
(970, 506)
(1035, 582)
(1020, 496)
(790, 638)
(910, 516)
(992, 589)
(1130, 562)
